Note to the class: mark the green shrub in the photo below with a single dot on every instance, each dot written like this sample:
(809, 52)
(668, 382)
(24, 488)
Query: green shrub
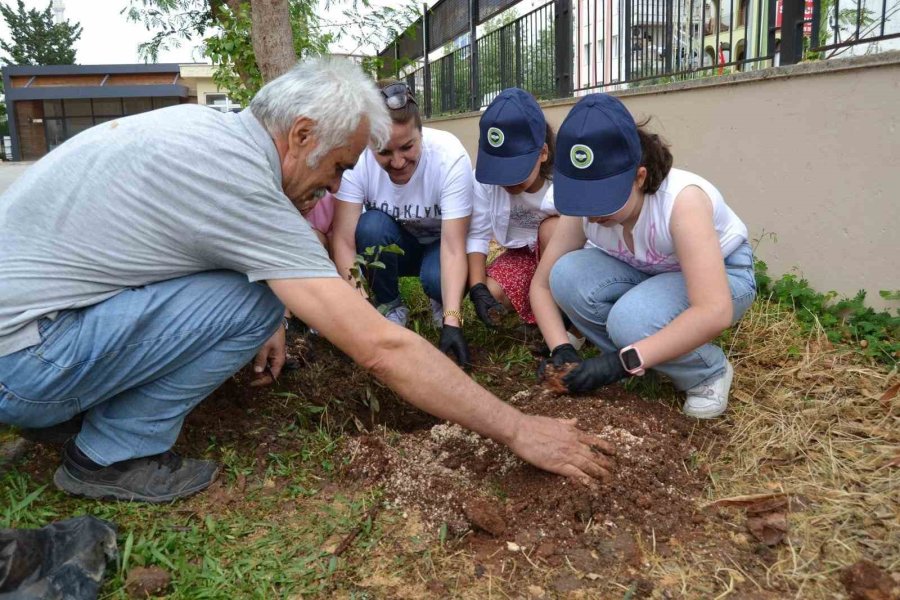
(845, 320)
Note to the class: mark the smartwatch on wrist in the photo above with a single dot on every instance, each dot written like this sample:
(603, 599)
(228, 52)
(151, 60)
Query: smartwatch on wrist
(632, 360)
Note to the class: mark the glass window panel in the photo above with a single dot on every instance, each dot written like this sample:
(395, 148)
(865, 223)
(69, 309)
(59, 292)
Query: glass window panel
(54, 131)
(77, 125)
(98, 120)
(53, 108)
(111, 107)
(161, 102)
(77, 108)
(134, 106)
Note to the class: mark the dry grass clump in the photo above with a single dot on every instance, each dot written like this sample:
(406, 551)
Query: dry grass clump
(821, 425)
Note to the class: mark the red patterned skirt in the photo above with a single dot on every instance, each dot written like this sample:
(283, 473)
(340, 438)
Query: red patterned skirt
(514, 270)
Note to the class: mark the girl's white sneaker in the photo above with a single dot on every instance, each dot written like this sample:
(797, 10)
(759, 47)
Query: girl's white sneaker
(709, 400)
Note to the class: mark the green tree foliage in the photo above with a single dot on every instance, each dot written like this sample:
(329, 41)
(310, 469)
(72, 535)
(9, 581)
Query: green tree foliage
(224, 27)
(35, 39)
(231, 49)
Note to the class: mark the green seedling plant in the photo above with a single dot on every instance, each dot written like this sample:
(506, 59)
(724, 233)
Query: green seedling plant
(366, 265)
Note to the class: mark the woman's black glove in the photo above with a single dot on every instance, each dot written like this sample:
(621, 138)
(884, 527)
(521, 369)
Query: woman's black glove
(595, 372)
(559, 357)
(486, 306)
(453, 342)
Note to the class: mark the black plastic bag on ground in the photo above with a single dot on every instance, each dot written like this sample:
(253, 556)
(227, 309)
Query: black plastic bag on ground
(65, 560)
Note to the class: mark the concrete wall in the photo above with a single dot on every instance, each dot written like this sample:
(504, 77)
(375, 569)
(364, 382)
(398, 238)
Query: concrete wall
(807, 155)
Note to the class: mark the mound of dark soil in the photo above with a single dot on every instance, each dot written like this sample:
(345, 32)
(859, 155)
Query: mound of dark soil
(457, 478)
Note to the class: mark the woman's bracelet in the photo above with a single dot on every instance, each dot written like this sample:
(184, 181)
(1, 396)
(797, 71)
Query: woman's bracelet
(454, 313)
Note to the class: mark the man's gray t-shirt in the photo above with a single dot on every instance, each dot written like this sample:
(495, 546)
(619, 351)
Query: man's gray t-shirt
(144, 199)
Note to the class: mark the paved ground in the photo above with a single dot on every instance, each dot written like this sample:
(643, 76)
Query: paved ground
(9, 172)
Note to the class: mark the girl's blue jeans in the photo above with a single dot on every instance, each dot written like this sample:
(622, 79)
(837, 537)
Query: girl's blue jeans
(615, 305)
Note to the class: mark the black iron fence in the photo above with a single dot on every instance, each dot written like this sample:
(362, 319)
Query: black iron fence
(462, 53)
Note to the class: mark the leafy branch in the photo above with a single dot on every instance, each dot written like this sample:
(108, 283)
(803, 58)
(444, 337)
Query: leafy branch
(367, 264)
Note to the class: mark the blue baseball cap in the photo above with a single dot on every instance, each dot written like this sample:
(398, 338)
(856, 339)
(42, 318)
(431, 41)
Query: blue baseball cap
(512, 134)
(598, 152)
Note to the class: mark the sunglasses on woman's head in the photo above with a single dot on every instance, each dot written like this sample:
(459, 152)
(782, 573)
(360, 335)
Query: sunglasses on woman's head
(397, 95)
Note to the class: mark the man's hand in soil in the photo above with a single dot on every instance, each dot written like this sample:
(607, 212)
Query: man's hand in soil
(560, 356)
(272, 354)
(453, 342)
(595, 373)
(556, 445)
(486, 306)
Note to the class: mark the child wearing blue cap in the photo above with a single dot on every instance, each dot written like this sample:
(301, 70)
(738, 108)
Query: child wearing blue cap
(667, 266)
(513, 204)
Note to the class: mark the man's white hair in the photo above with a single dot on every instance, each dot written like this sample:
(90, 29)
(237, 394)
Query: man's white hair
(334, 92)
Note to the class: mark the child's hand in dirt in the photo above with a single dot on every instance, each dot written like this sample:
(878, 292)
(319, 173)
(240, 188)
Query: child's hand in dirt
(595, 372)
(486, 307)
(562, 355)
(556, 445)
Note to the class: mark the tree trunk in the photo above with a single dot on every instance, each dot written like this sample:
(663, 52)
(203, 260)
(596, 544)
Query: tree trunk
(273, 41)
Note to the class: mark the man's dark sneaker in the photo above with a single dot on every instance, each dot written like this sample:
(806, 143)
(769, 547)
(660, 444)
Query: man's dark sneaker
(55, 434)
(161, 478)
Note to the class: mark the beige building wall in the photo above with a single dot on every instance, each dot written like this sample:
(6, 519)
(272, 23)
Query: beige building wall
(807, 155)
(198, 78)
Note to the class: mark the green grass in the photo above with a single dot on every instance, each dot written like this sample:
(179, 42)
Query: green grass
(271, 542)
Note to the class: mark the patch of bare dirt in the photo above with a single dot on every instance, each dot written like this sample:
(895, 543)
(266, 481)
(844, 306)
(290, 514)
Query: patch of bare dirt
(455, 477)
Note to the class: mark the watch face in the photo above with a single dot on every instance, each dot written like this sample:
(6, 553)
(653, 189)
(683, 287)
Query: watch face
(631, 360)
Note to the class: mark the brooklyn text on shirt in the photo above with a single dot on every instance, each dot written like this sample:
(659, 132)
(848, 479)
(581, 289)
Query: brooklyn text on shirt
(408, 212)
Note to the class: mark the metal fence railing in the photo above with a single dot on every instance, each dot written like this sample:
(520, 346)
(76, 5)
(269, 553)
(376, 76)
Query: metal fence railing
(834, 26)
(566, 47)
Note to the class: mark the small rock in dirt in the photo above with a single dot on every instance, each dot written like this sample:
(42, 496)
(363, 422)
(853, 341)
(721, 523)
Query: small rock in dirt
(12, 452)
(567, 583)
(485, 516)
(146, 582)
(439, 589)
(768, 528)
(536, 591)
(545, 549)
(864, 580)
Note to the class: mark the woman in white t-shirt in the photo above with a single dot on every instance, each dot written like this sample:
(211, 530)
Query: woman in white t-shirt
(417, 194)
(513, 204)
(666, 269)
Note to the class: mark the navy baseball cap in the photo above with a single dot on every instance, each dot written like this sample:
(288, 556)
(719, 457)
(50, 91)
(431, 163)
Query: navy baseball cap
(512, 134)
(598, 152)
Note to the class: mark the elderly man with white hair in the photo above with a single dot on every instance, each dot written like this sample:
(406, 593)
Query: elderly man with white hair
(147, 259)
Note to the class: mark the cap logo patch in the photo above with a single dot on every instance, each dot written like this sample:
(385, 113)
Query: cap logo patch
(581, 156)
(495, 137)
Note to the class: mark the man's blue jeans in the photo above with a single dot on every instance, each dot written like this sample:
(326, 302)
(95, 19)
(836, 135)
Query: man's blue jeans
(138, 362)
(377, 228)
(615, 305)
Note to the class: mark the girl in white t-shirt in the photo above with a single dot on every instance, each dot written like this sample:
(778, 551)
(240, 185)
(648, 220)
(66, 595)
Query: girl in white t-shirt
(512, 204)
(647, 261)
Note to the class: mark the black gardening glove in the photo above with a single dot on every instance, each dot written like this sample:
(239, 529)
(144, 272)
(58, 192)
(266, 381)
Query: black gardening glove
(453, 342)
(595, 373)
(486, 306)
(559, 357)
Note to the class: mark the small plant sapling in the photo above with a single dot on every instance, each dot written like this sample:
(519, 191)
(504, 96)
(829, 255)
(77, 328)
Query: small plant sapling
(367, 264)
